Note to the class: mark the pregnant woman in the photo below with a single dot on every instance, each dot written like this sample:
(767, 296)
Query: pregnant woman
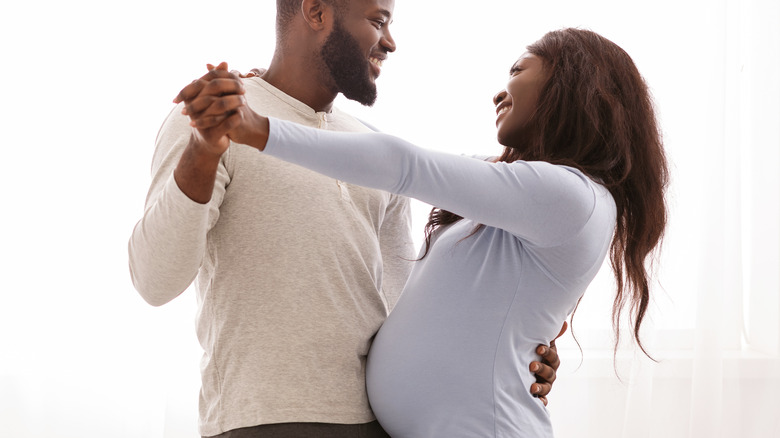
(514, 241)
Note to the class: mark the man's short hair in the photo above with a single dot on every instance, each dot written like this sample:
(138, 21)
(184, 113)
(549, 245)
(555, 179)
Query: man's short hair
(286, 10)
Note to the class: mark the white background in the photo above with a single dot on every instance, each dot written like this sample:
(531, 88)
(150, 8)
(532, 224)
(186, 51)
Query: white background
(86, 85)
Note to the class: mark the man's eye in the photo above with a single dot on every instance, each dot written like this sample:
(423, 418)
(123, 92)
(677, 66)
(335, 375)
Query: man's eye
(379, 24)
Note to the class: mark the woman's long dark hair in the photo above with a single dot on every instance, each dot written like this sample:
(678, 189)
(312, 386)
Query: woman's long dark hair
(596, 114)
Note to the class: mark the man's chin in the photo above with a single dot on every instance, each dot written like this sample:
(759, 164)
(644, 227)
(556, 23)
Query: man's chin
(369, 103)
(365, 98)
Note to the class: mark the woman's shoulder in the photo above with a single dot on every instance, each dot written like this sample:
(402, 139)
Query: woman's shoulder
(547, 182)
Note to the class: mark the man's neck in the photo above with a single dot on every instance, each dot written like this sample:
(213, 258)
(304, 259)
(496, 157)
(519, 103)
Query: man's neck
(299, 79)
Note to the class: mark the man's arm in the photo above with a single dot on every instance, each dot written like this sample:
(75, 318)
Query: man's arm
(545, 370)
(167, 245)
(397, 247)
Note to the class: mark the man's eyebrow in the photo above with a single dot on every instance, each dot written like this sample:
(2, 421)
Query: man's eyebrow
(386, 13)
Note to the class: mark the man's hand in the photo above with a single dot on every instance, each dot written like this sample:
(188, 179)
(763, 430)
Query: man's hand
(545, 370)
(218, 110)
(213, 102)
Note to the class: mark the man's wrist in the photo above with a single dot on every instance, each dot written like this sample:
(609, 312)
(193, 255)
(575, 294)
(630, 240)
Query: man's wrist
(201, 153)
(197, 170)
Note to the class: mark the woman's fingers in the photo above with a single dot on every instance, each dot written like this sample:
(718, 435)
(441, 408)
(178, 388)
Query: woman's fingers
(197, 86)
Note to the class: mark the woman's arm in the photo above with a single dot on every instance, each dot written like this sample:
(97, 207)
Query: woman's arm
(539, 202)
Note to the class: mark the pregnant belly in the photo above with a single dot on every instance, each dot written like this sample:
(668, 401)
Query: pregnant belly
(431, 380)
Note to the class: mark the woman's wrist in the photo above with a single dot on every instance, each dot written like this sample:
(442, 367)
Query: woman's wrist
(259, 132)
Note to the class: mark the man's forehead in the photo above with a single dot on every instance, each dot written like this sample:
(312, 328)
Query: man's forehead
(384, 7)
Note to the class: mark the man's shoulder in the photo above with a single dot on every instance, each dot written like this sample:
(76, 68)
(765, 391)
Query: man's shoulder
(340, 120)
(368, 125)
(271, 101)
(174, 132)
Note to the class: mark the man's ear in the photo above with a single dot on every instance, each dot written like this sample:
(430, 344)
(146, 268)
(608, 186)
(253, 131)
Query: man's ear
(317, 14)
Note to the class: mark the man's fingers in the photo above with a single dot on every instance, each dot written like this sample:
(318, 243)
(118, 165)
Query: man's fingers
(232, 122)
(190, 91)
(220, 122)
(540, 389)
(225, 104)
(218, 127)
(223, 86)
(195, 87)
(213, 92)
(545, 370)
(544, 373)
(215, 87)
(549, 355)
(210, 122)
(213, 105)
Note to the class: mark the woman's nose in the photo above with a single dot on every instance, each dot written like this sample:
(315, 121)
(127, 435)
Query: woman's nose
(498, 98)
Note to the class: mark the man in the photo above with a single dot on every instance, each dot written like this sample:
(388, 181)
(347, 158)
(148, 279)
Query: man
(295, 271)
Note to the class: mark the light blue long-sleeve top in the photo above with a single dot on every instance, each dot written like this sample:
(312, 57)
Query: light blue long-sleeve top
(452, 359)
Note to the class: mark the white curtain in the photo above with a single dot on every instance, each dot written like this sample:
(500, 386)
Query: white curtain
(87, 84)
(718, 369)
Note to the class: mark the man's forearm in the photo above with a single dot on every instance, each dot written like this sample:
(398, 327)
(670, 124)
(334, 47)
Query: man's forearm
(196, 172)
(167, 245)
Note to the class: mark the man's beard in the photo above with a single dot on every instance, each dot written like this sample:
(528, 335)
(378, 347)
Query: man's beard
(347, 66)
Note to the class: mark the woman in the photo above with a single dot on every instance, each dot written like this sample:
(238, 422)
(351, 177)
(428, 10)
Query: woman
(514, 242)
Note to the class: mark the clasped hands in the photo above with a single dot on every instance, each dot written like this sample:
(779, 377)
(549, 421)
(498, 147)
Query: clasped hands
(219, 113)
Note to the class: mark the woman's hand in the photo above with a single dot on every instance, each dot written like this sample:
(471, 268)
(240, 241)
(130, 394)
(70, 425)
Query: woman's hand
(219, 112)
